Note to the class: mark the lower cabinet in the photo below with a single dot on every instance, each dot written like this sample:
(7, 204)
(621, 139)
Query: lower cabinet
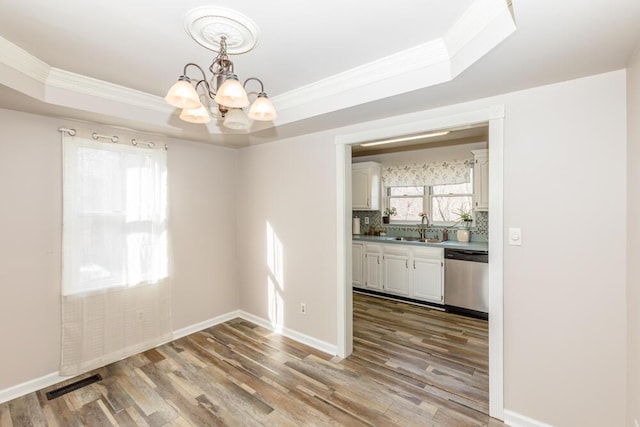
(396, 270)
(404, 270)
(428, 275)
(373, 267)
(357, 260)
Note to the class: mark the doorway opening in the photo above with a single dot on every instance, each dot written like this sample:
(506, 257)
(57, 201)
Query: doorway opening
(493, 117)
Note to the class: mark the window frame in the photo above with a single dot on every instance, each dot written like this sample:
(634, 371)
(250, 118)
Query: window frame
(427, 197)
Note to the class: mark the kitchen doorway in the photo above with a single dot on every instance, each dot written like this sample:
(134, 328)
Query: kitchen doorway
(492, 116)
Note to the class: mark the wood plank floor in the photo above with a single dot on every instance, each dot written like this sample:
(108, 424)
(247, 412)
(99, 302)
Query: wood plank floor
(410, 366)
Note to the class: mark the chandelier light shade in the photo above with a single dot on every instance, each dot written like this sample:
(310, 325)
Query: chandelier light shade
(231, 94)
(224, 89)
(235, 119)
(262, 109)
(196, 115)
(183, 95)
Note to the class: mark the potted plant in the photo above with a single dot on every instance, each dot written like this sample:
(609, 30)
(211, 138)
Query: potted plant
(465, 218)
(463, 234)
(388, 213)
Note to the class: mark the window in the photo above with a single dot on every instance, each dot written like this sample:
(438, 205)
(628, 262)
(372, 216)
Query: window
(114, 216)
(447, 201)
(408, 201)
(442, 202)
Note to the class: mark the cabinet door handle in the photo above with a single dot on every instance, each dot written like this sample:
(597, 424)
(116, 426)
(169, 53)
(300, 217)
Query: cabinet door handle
(378, 260)
(414, 264)
(406, 263)
(368, 203)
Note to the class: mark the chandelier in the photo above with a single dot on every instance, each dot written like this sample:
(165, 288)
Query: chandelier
(194, 95)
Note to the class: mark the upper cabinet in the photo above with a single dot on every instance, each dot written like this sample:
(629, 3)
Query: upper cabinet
(366, 190)
(481, 180)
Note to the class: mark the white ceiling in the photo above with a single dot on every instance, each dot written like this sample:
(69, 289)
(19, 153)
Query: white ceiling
(143, 46)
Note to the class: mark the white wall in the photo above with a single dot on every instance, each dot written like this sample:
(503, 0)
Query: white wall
(564, 288)
(202, 225)
(633, 233)
(565, 323)
(290, 185)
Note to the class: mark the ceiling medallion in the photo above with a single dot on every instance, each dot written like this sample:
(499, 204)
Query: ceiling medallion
(206, 25)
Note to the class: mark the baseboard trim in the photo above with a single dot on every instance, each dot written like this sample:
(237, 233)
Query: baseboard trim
(30, 386)
(290, 333)
(514, 419)
(53, 378)
(183, 332)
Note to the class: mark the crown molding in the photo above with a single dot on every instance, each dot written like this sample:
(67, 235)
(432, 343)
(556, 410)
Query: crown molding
(46, 76)
(23, 62)
(412, 59)
(72, 82)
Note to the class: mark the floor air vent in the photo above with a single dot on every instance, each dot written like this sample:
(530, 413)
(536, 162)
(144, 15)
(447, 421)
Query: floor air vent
(73, 386)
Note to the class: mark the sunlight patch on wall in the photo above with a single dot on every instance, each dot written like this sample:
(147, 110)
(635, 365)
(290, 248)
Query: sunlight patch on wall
(275, 278)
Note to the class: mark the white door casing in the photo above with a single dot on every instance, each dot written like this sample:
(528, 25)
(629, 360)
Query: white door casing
(494, 116)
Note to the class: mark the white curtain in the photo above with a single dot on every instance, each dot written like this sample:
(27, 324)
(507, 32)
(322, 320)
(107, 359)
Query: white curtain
(419, 174)
(115, 292)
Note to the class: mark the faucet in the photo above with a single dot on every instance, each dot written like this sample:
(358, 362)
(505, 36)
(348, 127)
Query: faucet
(422, 231)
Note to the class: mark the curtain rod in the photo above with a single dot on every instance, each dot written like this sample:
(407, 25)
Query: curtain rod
(112, 138)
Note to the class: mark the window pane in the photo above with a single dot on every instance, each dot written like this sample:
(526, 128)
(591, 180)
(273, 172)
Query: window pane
(408, 208)
(446, 208)
(465, 188)
(406, 191)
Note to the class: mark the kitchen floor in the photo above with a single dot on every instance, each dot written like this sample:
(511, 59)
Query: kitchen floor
(445, 356)
(410, 366)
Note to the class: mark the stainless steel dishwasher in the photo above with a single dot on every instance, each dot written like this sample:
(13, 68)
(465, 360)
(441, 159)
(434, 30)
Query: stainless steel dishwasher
(466, 282)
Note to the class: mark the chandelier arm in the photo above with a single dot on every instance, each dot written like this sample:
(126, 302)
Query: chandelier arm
(208, 87)
(244, 85)
(203, 80)
(184, 72)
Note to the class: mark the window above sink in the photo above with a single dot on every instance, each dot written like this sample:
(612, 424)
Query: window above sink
(442, 202)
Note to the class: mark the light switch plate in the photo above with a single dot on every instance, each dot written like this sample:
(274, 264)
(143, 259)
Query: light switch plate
(515, 236)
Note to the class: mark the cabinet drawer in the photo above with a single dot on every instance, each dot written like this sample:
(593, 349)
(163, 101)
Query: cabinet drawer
(396, 250)
(428, 252)
(372, 248)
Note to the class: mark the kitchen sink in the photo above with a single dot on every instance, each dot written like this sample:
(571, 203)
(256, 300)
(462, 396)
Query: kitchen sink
(433, 240)
(417, 239)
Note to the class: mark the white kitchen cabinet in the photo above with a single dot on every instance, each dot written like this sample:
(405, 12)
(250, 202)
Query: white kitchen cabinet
(427, 278)
(366, 186)
(406, 270)
(373, 267)
(480, 180)
(357, 261)
(396, 269)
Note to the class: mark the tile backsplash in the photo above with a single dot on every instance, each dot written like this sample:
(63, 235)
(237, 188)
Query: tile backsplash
(479, 231)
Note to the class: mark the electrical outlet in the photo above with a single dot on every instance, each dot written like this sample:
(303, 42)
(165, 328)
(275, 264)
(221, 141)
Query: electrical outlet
(303, 308)
(140, 315)
(366, 220)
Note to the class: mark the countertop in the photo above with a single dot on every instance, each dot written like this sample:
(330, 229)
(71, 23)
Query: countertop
(447, 244)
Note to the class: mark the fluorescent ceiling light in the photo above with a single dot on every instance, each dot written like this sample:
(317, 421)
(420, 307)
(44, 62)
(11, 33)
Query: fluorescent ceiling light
(406, 138)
